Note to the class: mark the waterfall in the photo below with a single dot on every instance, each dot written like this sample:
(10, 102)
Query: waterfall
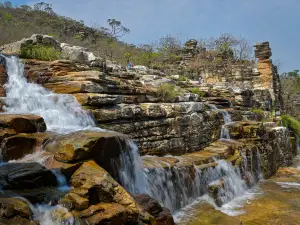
(131, 174)
(227, 119)
(61, 112)
(177, 187)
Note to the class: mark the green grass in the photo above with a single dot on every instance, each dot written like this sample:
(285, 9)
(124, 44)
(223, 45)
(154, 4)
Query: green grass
(291, 123)
(44, 53)
(197, 91)
(168, 92)
(258, 111)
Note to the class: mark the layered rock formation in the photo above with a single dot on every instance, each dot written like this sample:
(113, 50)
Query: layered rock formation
(178, 137)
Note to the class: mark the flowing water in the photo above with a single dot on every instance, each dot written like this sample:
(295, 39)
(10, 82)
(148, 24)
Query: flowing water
(62, 114)
(174, 187)
(177, 187)
(227, 119)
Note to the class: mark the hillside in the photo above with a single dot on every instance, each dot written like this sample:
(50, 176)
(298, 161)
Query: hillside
(23, 21)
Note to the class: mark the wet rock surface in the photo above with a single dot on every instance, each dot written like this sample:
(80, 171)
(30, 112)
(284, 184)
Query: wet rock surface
(162, 216)
(25, 176)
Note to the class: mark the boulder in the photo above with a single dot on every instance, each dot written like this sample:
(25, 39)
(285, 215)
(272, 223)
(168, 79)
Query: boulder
(25, 176)
(104, 213)
(162, 216)
(35, 39)
(15, 211)
(80, 55)
(15, 147)
(11, 207)
(92, 182)
(102, 147)
(23, 123)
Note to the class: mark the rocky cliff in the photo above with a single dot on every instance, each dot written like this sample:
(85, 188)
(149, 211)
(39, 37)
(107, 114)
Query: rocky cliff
(177, 131)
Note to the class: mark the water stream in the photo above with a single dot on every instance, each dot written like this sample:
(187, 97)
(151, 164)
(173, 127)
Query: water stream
(174, 187)
(62, 114)
(227, 119)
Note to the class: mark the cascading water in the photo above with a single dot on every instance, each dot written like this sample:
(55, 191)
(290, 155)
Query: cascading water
(227, 119)
(62, 113)
(224, 131)
(176, 187)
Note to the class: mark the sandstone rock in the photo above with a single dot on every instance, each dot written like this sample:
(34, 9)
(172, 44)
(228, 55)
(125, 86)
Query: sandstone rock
(162, 216)
(11, 207)
(15, 211)
(99, 99)
(80, 55)
(105, 213)
(25, 176)
(92, 182)
(102, 147)
(23, 123)
(17, 146)
(80, 203)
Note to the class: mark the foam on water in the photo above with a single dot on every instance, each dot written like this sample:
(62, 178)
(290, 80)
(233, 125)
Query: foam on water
(62, 113)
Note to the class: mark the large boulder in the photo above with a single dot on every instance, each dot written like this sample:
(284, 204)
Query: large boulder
(102, 147)
(162, 216)
(80, 55)
(15, 147)
(97, 198)
(23, 123)
(15, 211)
(25, 176)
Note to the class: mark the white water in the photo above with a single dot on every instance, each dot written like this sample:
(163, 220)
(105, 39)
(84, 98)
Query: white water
(62, 113)
(178, 187)
(227, 119)
(224, 131)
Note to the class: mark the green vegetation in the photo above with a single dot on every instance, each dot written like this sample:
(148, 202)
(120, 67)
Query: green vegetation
(168, 92)
(45, 53)
(290, 86)
(258, 111)
(291, 123)
(197, 91)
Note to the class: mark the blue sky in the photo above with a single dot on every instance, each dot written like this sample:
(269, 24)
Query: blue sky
(277, 21)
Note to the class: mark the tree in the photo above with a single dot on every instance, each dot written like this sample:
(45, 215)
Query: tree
(113, 32)
(44, 7)
(290, 82)
(237, 48)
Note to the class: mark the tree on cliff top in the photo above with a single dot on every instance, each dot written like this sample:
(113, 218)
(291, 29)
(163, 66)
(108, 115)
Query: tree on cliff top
(290, 82)
(228, 45)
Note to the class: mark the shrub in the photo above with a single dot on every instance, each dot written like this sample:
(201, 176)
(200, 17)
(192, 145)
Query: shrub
(291, 123)
(168, 92)
(258, 111)
(45, 53)
(197, 91)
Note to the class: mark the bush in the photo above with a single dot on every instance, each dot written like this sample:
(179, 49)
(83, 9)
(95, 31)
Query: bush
(168, 92)
(197, 91)
(291, 123)
(45, 53)
(258, 111)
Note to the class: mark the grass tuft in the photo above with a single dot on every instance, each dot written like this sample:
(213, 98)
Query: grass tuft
(168, 92)
(44, 53)
(291, 123)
